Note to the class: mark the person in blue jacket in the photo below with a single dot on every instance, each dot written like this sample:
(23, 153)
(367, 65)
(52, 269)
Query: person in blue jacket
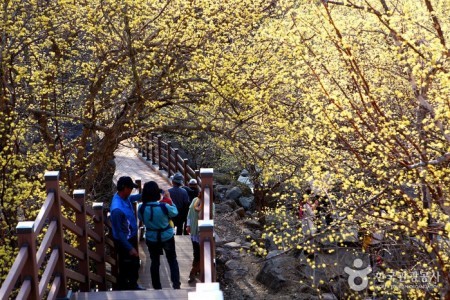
(124, 232)
(159, 233)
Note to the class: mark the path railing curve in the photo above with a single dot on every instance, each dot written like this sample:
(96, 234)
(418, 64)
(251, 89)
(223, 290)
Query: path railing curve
(40, 269)
(161, 153)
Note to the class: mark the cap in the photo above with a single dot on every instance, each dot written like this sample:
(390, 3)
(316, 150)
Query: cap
(192, 181)
(177, 178)
(125, 181)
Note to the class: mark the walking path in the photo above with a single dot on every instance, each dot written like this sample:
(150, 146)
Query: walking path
(130, 163)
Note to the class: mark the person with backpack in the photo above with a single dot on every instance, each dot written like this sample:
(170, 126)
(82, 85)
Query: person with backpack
(159, 233)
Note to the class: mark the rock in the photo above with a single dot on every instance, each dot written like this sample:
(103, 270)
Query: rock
(234, 264)
(249, 235)
(273, 253)
(222, 208)
(231, 203)
(232, 245)
(220, 191)
(234, 193)
(235, 274)
(252, 224)
(248, 203)
(269, 244)
(240, 212)
(271, 276)
(246, 246)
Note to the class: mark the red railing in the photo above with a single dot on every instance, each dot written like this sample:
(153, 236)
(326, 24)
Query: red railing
(40, 269)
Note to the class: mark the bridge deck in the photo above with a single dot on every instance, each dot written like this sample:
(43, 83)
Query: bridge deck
(128, 162)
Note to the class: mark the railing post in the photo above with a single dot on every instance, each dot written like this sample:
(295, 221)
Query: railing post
(169, 147)
(147, 146)
(159, 151)
(143, 144)
(139, 224)
(152, 144)
(52, 185)
(175, 156)
(206, 228)
(27, 238)
(197, 175)
(207, 250)
(81, 221)
(206, 176)
(185, 172)
(99, 229)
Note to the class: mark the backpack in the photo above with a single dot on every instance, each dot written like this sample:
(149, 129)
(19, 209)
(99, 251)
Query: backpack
(165, 211)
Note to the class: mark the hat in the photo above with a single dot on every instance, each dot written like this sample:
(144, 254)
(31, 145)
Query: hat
(125, 181)
(192, 182)
(177, 178)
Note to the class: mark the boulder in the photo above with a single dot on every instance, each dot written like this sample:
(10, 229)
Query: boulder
(234, 193)
(248, 203)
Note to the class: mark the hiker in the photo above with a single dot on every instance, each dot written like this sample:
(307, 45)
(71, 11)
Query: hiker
(192, 228)
(159, 234)
(192, 189)
(124, 232)
(180, 198)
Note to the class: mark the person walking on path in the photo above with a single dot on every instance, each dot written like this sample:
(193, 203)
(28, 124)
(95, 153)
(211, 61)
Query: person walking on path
(159, 233)
(192, 189)
(192, 228)
(181, 199)
(124, 232)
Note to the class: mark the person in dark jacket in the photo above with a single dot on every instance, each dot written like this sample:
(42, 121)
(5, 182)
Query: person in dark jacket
(159, 234)
(124, 232)
(181, 199)
(192, 189)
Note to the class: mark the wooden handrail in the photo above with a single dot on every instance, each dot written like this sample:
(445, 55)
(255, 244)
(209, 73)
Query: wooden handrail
(166, 157)
(206, 228)
(23, 277)
(209, 288)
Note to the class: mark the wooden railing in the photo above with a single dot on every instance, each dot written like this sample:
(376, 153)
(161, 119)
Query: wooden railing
(209, 288)
(206, 228)
(167, 158)
(41, 269)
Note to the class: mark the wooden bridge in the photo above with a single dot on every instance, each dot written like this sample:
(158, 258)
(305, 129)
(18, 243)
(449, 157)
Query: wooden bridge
(67, 251)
